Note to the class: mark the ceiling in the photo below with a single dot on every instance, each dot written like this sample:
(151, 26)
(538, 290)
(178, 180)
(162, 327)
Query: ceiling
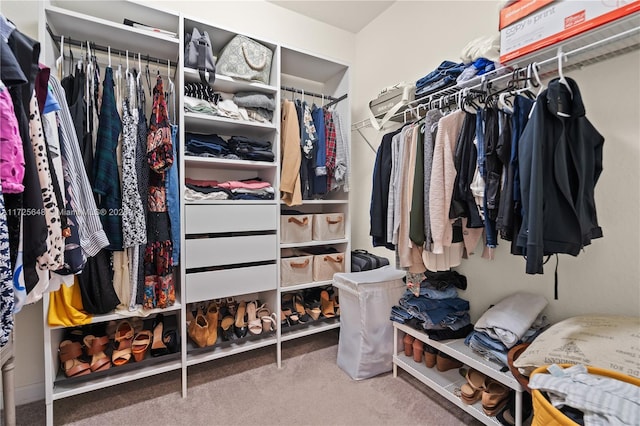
(351, 16)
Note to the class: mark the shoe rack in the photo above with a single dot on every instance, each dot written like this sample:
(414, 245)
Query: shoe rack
(448, 383)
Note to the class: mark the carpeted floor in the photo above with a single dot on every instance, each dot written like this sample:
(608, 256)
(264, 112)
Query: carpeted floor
(249, 389)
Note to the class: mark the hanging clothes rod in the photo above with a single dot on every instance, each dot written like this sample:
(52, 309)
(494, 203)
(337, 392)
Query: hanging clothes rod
(114, 51)
(448, 95)
(315, 95)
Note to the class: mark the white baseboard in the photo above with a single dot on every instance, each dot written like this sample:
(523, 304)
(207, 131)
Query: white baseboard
(27, 394)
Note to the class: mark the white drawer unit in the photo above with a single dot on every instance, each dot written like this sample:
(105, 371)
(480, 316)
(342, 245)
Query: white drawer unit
(205, 252)
(211, 219)
(230, 282)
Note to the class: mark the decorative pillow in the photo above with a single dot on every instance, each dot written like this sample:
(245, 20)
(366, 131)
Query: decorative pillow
(606, 341)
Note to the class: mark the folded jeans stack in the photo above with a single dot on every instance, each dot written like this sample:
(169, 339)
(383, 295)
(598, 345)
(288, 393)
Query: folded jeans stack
(251, 149)
(202, 145)
(443, 76)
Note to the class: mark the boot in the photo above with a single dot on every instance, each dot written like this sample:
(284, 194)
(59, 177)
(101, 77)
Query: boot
(408, 344)
(199, 330)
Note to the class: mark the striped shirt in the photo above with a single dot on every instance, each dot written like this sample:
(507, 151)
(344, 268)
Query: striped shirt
(92, 236)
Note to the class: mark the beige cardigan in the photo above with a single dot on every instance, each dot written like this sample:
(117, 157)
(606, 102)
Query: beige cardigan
(290, 155)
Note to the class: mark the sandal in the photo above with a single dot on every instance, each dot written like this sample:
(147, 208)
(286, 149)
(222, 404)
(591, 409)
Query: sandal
(158, 347)
(298, 304)
(269, 323)
(227, 328)
(241, 320)
(472, 391)
(494, 398)
(95, 347)
(71, 365)
(123, 339)
(254, 322)
(313, 310)
(327, 305)
(140, 344)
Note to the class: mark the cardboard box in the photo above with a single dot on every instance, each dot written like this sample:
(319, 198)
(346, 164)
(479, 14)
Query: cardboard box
(530, 25)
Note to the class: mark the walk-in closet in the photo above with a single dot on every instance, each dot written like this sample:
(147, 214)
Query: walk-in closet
(320, 212)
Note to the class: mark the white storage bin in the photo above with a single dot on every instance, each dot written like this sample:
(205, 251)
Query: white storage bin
(327, 227)
(365, 348)
(325, 265)
(296, 270)
(295, 228)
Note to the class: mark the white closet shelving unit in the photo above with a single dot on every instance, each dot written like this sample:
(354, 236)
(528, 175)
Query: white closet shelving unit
(448, 383)
(310, 73)
(102, 23)
(231, 248)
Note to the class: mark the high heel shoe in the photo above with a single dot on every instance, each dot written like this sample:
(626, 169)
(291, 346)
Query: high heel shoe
(212, 321)
(123, 338)
(95, 347)
(241, 320)
(254, 322)
(327, 305)
(158, 347)
(227, 328)
(69, 353)
(471, 391)
(141, 344)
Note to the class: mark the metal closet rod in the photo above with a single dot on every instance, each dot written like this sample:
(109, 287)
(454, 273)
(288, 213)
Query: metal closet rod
(333, 100)
(106, 49)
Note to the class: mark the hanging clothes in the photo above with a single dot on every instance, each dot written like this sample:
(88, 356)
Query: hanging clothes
(105, 172)
(11, 155)
(134, 230)
(320, 160)
(30, 228)
(6, 279)
(143, 188)
(430, 130)
(560, 157)
(380, 193)
(290, 155)
(330, 134)
(342, 155)
(159, 289)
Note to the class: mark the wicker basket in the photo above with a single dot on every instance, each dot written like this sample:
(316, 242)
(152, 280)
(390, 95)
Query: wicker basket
(545, 414)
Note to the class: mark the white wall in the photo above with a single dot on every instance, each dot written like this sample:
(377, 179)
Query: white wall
(412, 38)
(266, 21)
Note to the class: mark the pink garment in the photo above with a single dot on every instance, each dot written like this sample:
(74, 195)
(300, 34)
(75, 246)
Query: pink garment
(247, 184)
(11, 154)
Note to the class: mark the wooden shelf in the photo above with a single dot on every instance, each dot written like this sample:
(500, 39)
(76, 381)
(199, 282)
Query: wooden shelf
(225, 163)
(202, 123)
(314, 243)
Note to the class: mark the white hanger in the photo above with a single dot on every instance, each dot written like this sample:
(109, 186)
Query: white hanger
(534, 68)
(109, 53)
(60, 60)
(126, 72)
(139, 70)
(562, 79)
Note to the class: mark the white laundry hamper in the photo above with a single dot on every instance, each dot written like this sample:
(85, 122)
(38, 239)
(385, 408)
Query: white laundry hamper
(365, 348)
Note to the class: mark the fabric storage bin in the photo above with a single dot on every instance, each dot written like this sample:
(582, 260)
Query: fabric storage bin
(325, 265)
(365, 346)
(328, 227)
(295, 228)
(296, 270)
(545, 414)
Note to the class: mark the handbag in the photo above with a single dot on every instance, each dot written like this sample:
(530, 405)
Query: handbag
(246, 59)
(362, 260)
(198, 54)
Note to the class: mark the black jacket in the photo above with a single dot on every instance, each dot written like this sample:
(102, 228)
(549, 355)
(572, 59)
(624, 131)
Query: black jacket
(560, 155)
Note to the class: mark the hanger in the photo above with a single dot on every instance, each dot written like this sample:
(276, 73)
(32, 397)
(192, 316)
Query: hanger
(109, 53)
(60, 60)
(562, 79)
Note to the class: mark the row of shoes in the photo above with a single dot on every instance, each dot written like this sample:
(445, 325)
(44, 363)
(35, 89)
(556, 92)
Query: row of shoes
(432, 357)
(234, 319)
(494, 395)
(82, 354)
(309, 305)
